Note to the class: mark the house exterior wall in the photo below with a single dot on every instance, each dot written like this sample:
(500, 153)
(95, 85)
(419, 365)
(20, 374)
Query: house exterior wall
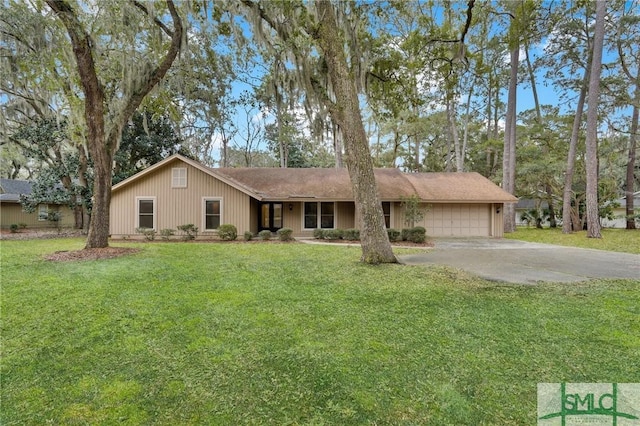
(11, 213)
(178, 206)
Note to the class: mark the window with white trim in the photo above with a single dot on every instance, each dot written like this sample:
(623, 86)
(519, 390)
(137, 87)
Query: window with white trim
(319, 215)
(43, 212)
(179, 177)
(146, 212)
(212, 214)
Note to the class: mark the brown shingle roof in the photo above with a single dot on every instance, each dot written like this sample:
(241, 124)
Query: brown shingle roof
(393, 185)
(274, 184)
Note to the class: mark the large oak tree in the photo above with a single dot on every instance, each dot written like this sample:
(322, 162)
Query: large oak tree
(105, 114)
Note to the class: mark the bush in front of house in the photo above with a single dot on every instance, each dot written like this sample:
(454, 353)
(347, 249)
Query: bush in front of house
(265, 235)
(167, 233)
(393, 234)
(248, 235)
(149, 233)
(318, 234)
(22, 225)
(189, 231)
(227, 232)
(333, 234)
(13, 228)
(417, 234)
(285, 234)
(351, 234)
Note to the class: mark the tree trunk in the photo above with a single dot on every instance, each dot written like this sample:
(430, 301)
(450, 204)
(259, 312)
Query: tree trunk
(568, 225)
(376, 247)
(509, 153)
(631, 163)
(593, 216)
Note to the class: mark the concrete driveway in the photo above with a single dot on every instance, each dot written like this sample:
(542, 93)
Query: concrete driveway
(527, 263)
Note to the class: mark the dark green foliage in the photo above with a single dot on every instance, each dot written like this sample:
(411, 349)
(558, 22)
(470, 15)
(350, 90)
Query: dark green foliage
(227, 232)
(248, 235)
(13, 228)
(318, 234)
(394, 234)
(351, 234)
(22, 225)
(417, 234)
(285, 234)
(404, 234)
(189, 231)
(265, 235)
(44, 141)
(146, 140)
(333, 234)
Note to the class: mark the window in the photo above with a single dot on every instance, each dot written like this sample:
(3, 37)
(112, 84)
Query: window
(386, 209)
(43, 212)
(146, 212)
(212, 213)
(179, 177)
(319, 215)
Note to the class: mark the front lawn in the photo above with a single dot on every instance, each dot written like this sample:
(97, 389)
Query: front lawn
(232, 334)
(620, 240)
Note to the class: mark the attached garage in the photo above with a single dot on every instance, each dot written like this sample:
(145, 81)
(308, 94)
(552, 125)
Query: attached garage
(457, 220)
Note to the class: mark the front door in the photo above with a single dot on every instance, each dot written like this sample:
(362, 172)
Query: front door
(270, 217)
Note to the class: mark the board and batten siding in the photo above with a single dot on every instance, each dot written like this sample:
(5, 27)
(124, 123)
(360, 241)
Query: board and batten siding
(178, 206)
(12, 213)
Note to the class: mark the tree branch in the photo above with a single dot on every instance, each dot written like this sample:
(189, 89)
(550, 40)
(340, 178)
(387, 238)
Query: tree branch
(155, 18)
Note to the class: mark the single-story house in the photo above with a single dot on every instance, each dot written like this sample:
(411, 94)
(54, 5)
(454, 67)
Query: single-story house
(179, 191)
(620, 212)
(11, 211)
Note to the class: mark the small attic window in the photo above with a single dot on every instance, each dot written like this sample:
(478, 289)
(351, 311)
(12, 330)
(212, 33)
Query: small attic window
(179, 177)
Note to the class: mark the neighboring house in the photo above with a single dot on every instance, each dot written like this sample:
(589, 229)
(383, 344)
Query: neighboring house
(525, 205)
(620, 212)
(11, 211)
(179, 191)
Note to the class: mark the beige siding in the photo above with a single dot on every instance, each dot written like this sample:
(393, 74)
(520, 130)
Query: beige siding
(11, 213)
(178, 206)
(458, 220)
(497, 223)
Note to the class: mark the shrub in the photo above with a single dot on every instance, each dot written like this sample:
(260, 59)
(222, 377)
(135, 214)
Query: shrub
(318, 234)
(13, 228)
(417, 234)
(22, 225)
(285, 234)
(265, 235)
(333, 234)
(190, 231)
(351, 234)
(248, 236)
(167, 233)
(404, 234)
(394, 234)
(227, 232)
(149, 233)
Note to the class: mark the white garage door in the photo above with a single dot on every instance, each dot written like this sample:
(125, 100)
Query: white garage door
(458, 220)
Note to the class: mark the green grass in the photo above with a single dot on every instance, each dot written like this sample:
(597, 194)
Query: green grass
(231, 334)
(620, 240)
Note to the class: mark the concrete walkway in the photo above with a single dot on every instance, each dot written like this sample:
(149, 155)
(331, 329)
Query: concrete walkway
(527, 263)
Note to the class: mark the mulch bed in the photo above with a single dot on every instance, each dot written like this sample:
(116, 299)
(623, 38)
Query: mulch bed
(91, 254)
